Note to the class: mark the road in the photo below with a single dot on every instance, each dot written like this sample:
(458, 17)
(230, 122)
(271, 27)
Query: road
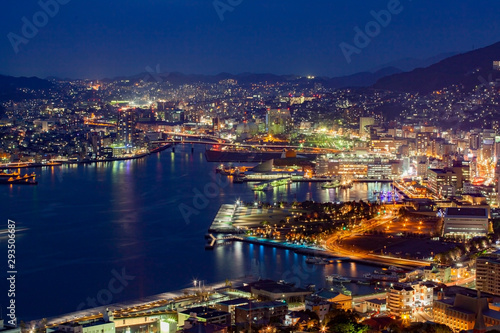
(332, 245)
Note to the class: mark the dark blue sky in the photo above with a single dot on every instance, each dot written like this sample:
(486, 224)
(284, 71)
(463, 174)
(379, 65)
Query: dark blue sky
(99, 38)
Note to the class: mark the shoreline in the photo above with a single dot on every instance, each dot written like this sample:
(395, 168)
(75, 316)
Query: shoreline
(59, 162)
(223, 224)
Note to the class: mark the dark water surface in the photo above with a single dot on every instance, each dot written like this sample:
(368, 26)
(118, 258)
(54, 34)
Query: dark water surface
(87, 223)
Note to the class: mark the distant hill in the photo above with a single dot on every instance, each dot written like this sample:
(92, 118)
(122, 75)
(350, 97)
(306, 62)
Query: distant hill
(409, 64)
(10, 85)
(363, 79)
(469, 69)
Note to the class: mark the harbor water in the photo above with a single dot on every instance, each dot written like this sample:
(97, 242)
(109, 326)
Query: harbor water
(97, 234)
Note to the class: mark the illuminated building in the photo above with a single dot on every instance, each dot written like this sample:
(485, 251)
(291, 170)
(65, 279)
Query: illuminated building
(379, 170)
(438, 178)
(404, 299)
(463, 312)
(230, 306)
(260, 313)
(488, 273)
(438, 273)
(340, 300)
(496, 65)
(318, 305)
(423, 143)
(358, 166)
(205, 315)
(126, 126)
(465, 222)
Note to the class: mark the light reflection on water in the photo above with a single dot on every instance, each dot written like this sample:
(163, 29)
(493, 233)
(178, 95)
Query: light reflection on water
(85, 220)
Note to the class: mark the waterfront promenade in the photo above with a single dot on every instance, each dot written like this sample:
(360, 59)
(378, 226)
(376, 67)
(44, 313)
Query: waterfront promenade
(235, 219)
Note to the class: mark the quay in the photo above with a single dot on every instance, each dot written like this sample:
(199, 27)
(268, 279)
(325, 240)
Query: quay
(229, 225)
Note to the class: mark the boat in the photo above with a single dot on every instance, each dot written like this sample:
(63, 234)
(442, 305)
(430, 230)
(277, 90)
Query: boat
(337, 278)
(262, 187)
(281, 182)
(332, 184)
(363, 282)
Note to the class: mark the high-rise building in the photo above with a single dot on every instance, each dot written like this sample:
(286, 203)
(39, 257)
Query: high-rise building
(439, 178)
(488, 273)
(127, 121)
(424, 143)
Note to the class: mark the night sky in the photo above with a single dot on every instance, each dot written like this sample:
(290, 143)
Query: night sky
(106, 38)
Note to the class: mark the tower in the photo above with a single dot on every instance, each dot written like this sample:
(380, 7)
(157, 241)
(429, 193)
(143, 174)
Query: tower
(126, 126)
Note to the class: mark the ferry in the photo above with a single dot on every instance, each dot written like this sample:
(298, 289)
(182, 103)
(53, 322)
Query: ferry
(263, 187)
(333, 184)
(281, 182)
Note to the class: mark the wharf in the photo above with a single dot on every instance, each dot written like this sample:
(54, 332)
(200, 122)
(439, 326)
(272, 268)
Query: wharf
(232, 220)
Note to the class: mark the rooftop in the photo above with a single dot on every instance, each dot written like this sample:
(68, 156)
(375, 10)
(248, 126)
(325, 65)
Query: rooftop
(479, 212)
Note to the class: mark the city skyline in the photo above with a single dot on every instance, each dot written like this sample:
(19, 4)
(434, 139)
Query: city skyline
(346, 180)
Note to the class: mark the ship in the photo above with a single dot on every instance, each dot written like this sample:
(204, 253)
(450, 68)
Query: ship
(263, 187)
(280, 182)
(333, 184)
